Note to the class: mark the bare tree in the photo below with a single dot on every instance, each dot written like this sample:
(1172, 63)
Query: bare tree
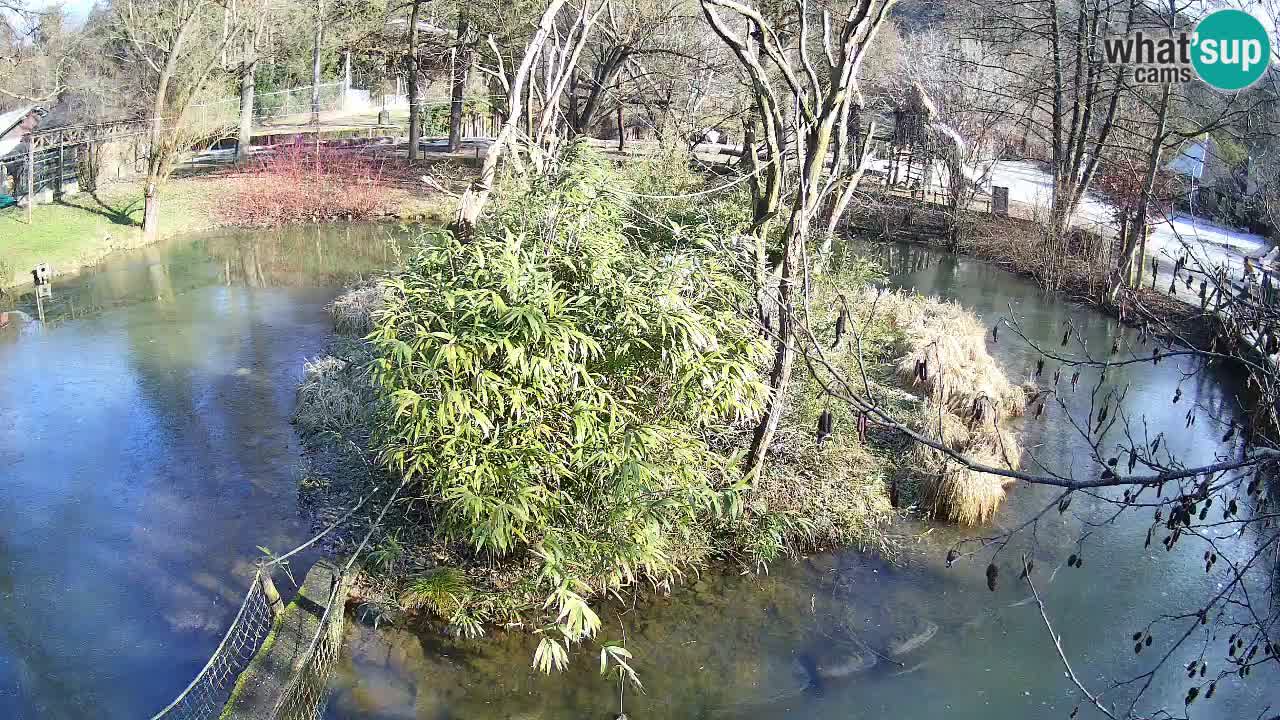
(802, 103)
(415, 104)
(256, 21)
(526, 98)
(177, 50)
(1053, 67)
(459, 74)
(315, 63)
(35, 54)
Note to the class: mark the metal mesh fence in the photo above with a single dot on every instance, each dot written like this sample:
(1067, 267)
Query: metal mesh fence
(280, 103)
(207, 694)
(306, 694)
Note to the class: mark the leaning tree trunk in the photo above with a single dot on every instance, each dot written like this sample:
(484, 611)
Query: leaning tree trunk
(808, 194)
(461, 67)
(415, 112)
(783, 361)
(477, 195)
(837, 208)
(1135, 246)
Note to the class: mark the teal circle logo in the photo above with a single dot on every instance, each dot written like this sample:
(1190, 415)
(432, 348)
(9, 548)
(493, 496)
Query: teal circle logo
(1232, 49)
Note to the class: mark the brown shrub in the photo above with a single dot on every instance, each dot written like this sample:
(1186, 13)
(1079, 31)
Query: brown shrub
(958, 372)
(950, 491)
(967, 396)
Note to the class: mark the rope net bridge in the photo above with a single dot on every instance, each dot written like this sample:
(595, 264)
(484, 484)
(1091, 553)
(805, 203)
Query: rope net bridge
(300, 691)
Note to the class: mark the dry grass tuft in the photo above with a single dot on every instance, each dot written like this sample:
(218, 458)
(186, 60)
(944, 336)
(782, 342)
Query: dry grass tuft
(967, 397)
(838, 489)
(958, 371)
(335, 395)
(950, 491)
(353, 310)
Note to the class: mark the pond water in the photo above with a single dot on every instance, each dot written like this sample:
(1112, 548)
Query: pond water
(146, 451)
(751, 646)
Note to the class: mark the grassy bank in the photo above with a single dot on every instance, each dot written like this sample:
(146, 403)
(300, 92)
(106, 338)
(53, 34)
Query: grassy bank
(1014, 245)
(80, 230)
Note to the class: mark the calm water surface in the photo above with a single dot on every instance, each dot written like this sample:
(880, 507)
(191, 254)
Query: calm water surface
(744, 646)
(145, 451)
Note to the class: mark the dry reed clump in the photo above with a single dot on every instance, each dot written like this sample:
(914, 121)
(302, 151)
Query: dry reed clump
(335, 395)
(353, 310)
(948, 490)
(944, 356)
(967, 397)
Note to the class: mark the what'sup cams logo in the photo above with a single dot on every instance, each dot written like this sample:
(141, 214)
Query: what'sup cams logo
(1229, 50)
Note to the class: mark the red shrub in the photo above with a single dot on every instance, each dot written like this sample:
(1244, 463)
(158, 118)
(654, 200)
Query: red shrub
(1121, 181)
(302, 183)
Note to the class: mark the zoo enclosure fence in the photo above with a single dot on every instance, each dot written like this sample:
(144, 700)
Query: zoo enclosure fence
(280, 103)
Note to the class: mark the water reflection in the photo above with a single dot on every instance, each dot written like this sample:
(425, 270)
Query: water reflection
(313, 256)
(730, 646)
(145, 451)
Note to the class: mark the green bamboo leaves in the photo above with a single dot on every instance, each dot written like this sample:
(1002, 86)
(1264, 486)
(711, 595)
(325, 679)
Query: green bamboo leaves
(548, 384)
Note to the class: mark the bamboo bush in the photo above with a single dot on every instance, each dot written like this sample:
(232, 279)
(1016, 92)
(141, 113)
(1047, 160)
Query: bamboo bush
(549, 383)
(570, 391)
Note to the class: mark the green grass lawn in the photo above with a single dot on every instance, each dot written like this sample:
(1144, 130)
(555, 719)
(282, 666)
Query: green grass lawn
(78, 231)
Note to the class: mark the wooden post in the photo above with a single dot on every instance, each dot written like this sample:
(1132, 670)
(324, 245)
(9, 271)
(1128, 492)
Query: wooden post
(61, 166)
(270, 593)
(621, 130)
(31, 175)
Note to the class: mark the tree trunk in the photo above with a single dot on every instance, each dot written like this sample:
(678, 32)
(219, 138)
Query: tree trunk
(477, 195)
(783, 360)
(315, 65)
(151, 210)
(158, 154)
(461, 67)
(1135, 247)
(603, 76)
(622, 130)
(837, 208)
(415, 112)
(808, 193)
(247, 70)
